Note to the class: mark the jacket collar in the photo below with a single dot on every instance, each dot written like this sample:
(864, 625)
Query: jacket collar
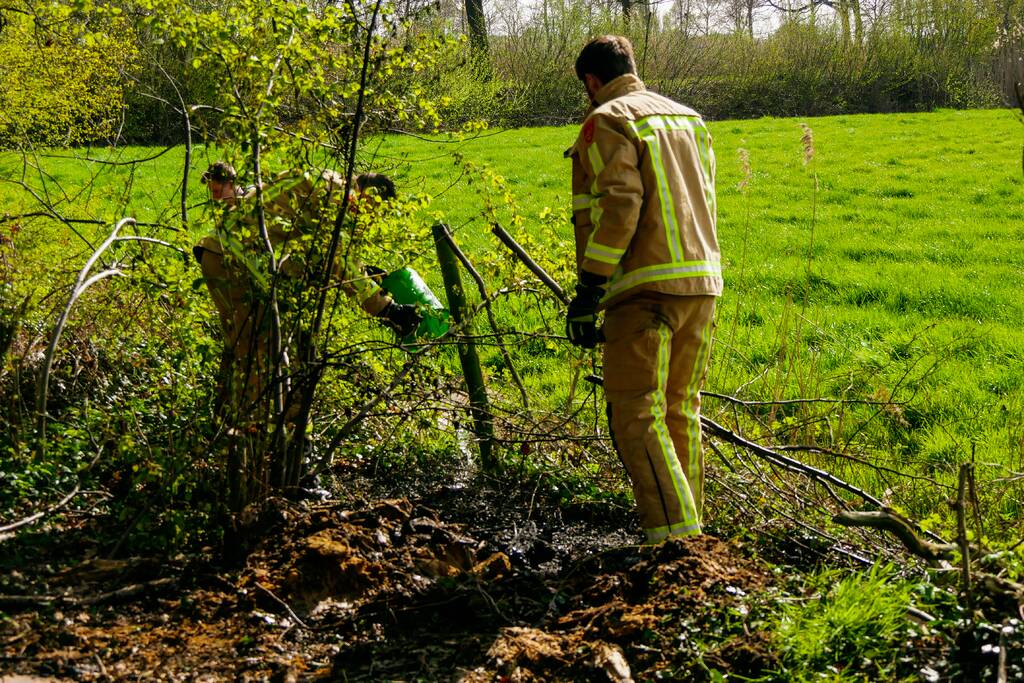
(617, 87)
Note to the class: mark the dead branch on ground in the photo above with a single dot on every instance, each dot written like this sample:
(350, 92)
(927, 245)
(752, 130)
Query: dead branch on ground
(119, 596)
(901, 527)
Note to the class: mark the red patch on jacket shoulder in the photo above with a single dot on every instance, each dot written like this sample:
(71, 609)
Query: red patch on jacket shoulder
(588, 131)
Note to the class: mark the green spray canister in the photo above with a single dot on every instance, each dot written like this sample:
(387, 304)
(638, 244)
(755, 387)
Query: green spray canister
(407, 287)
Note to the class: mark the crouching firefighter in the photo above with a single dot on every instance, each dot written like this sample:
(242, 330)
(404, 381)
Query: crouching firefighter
(296, 205)
(643, 182)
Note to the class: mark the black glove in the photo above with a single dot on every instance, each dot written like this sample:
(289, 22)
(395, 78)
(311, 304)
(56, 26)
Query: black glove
(375, 273)
(581, 318)
(402, 318)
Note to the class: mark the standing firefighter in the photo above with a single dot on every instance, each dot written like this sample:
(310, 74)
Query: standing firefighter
(643, 182)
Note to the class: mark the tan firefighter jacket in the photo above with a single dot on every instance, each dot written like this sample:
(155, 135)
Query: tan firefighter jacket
(643, 183)
(296, 204)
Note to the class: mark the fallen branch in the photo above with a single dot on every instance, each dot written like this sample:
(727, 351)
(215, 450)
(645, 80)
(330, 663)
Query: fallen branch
(791, 464)
(120, 595)
(899, 526)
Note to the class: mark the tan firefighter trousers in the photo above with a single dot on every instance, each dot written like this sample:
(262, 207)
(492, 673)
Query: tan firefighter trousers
(244, 371)
(655, 359)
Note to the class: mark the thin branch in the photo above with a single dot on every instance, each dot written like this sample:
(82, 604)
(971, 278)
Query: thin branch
(527, 261)
(283, 604)
(861, 461)
(81, 284)
(32, 519)
(120, 595)
(8, 217)
(798, 10)
(789, 463)
(106, 162)
(961, 523)
(471, 138)
(797, 401)
(150, 240)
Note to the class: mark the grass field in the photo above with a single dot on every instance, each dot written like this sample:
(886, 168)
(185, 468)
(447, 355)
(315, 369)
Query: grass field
(894, 283)
(897, 280)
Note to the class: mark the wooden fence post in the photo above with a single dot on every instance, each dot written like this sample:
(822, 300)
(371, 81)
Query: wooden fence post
(483, 424)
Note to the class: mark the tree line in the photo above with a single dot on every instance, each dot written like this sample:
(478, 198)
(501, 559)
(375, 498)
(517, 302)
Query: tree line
(67, 76)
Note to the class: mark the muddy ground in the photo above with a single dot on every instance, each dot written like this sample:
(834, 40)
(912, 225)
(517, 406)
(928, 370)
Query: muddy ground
(450, 579)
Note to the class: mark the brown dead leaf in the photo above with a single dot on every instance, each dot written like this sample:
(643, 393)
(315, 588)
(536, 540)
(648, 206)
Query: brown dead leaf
(495, 567)
(519, 644)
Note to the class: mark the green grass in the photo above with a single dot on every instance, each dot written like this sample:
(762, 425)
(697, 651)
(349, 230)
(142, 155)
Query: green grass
(908, 291)
(913, 286)
(856, 622)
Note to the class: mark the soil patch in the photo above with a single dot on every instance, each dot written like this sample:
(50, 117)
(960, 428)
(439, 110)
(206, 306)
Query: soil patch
(457, 579)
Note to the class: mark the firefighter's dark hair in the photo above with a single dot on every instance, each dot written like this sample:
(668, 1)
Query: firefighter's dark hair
(384, 186)
(606, 57)
(219, 171)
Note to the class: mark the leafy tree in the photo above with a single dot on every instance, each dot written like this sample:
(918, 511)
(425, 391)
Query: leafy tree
(299, 83)
(61, 80)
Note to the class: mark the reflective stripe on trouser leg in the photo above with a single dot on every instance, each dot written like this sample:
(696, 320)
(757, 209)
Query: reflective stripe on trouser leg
(637, 364)
(691, 351)
(245, 342)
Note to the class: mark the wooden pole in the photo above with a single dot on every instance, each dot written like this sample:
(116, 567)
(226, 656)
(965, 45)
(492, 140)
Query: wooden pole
(483, 424)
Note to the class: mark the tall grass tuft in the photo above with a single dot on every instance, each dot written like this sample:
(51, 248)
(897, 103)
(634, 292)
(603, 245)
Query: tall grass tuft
(857, 619)
(792, 366)
(807, 141)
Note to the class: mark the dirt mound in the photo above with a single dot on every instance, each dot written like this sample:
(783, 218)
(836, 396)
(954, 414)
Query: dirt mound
(499, 586)
(479, 615)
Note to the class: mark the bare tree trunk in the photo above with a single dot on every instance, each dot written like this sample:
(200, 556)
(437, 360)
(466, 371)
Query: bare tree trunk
(477, 24)
(627, 10)
(843, 10)
(858, 21)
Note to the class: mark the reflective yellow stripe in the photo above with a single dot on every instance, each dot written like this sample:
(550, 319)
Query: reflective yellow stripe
(364, 288)
(664, 271)
(597, 165)
(583, 201)
(688, 122)
(665, 199)
(659, 534)
(602, 253)
(690, 413)
(702, 138)
(707, 159)
(668, 451)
